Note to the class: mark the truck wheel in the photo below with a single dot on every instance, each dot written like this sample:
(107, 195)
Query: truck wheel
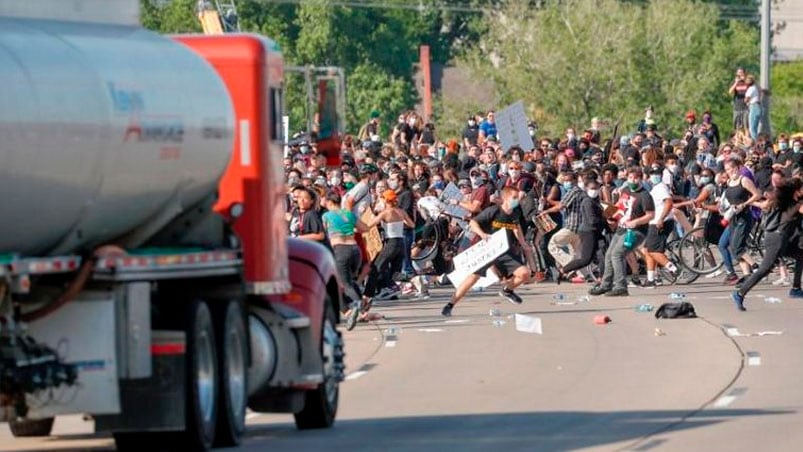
(202, 381)
(320, 405)
(233, 371)
(31, 427)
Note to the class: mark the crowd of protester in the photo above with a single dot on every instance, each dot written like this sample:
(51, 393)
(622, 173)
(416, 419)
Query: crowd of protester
(590, 207)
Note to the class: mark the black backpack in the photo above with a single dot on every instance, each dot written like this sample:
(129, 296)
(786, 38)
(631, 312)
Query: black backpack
(682, 310)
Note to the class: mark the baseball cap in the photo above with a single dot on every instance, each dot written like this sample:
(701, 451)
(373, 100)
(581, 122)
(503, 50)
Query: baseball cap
(368, 168)
(464, 183)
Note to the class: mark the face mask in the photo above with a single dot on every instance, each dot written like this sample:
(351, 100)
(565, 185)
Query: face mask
(592, 193)
(655, 179)
(441, 152)
(568, 185)
(393, 184)
(532, 132)
(633, 185)
(292, 181)
(783, 146)
(705, 180)
(476, 182)
(795, 149)
(672, 168)
(472, 123)
(335, 181)
(349, 185)
(411, 122)
(514, 203)
(514, 173)
(438, 184)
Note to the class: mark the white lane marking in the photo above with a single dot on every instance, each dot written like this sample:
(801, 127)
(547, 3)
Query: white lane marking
(457, 321)
(724, 401)
(390, 344)
(733, 332)
(356, 375)
(754, 361)
(430, 330)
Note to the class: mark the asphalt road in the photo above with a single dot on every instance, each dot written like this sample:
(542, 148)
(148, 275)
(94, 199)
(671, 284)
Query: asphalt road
(727, 380)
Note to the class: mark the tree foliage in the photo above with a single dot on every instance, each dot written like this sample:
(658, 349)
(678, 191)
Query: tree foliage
(787, 97)
(575, 59)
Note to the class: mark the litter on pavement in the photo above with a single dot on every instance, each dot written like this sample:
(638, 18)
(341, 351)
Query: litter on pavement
(528, 324)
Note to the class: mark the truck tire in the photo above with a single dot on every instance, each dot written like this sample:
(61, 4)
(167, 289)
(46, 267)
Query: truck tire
(26, 428)
(233, 371)
(202, 381)
(320, 405)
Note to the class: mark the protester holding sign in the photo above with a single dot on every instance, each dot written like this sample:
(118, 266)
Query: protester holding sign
(508, 216)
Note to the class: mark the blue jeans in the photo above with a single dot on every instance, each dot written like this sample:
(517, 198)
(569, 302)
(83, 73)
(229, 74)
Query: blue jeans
(754, 119)
(407, 266)
(724, 243)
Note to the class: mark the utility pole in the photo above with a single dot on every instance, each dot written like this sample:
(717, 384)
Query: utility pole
(766, 50)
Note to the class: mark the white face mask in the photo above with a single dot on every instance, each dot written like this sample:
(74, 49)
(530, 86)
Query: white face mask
(514, 173)
(393, 184)
(335, 181)
(472, 123)
(592, 193)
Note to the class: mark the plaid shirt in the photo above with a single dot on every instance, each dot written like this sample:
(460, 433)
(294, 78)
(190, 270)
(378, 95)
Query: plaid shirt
(571, 208)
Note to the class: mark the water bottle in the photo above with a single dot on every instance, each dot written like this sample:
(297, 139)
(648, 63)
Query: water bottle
(646, 307)
(499, 323)
(559, 297)
(677, 296)
(495, 312)
(726, 218)
(630, 239)
(584, 299)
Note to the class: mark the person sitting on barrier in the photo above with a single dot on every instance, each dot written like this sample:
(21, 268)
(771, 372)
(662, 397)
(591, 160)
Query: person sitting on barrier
(508, 216)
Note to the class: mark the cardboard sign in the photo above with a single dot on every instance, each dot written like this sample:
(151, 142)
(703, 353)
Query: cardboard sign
(373, 240)
(511, 126)
(453, 192)
(479, 255)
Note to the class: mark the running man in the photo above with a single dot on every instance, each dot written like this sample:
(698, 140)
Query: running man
(506, 216)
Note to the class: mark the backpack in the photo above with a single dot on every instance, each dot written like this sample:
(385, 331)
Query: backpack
(682, 310)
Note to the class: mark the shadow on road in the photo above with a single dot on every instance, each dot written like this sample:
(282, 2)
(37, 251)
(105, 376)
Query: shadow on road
(547, 431)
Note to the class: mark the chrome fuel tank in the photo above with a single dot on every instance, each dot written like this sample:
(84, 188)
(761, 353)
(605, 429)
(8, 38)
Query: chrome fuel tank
(103, 129)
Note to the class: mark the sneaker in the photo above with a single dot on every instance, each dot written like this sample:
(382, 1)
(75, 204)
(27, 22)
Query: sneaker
(447, 310)
(510, 296)
(618, 292)
(796, 292)
(782, 281)
(634, 282)
(578, 280)
(731, 279)
(738, 300)
(599, 289)
(715, 274)
(351, 317)
(421, 296)
(649, 285)
(388, 294)
(408, 289)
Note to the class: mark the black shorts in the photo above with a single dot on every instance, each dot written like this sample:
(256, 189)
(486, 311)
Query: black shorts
(656, 239)
(506, 264)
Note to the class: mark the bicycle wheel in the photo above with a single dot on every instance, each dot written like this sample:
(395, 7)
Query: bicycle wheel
(427, 245)
(697, 255)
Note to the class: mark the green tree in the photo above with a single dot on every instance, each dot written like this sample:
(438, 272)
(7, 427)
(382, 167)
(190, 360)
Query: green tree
(786, 110)
(574, 59)
(177, 16)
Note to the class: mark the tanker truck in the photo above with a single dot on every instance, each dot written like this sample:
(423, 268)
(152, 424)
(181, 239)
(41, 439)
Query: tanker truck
(146, 277)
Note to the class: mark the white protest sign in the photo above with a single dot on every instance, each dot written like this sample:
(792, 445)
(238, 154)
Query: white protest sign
(511, 126)
(479, 255)
(453, 192)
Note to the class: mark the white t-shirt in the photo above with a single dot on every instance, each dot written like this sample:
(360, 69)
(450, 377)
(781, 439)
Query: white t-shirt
(752, 93)
(361, 196)
(660, 192)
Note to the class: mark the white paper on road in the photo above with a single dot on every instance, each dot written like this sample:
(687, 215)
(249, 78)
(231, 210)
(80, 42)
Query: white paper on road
(528, 324)
(477, 256)
(511, 125)
(734, 332)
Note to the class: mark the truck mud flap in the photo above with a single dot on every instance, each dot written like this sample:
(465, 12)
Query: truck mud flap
(156, 403)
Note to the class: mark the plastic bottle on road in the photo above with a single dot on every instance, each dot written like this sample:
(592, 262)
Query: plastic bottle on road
(559, 297)
(646, 307)
(772, 300)
(494, 312)
(677, 296)
(584, 299)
